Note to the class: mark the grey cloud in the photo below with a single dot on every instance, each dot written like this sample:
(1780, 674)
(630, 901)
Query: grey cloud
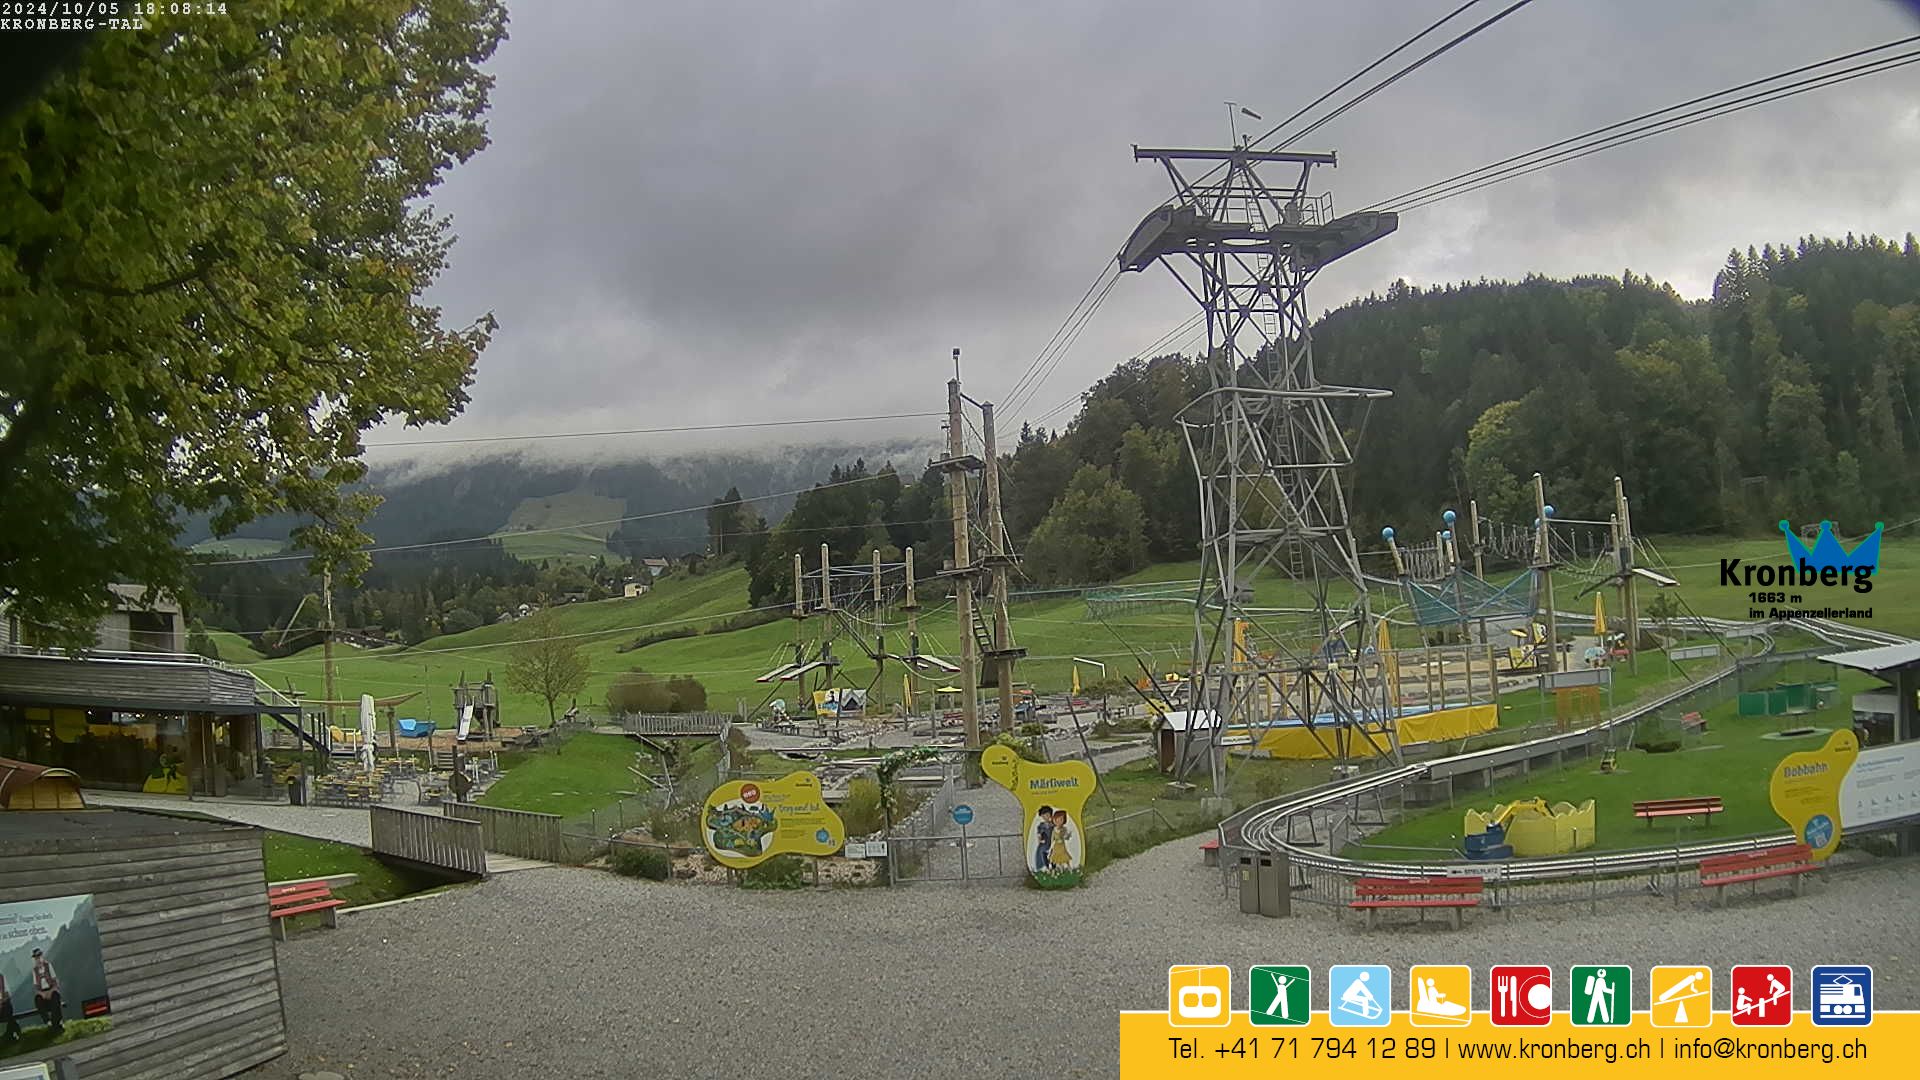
(723, 211)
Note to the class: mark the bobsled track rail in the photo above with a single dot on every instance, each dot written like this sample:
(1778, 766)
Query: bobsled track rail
(1308, 829)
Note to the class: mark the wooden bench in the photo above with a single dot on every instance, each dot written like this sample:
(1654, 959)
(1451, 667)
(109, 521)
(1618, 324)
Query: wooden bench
(1452, 893)
(1692, 723)
(1704, 806)
(301, 898)
(1753, 867)
(1210, 852)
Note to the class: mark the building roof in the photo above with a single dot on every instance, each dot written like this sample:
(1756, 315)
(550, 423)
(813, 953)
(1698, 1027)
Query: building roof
(16, 776)
(1193, 720)
(1877, 660)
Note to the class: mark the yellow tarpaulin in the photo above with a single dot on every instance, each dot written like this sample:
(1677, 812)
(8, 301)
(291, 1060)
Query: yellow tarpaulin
(1368, 740)
(1600, 615)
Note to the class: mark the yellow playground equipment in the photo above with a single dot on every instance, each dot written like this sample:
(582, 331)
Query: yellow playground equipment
(1529, 827)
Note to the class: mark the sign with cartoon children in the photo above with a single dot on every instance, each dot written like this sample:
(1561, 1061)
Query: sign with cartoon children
(1053, 798)
(746, 822)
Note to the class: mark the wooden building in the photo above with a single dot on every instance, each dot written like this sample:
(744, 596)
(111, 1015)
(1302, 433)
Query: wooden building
(181, 907)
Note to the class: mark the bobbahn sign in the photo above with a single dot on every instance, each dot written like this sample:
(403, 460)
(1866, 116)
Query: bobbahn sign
(747, 822)
(1053, 798)
(1817, 792)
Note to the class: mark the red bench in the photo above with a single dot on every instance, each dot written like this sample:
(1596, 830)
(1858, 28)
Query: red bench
(1693, 806)
(1452, 893)
(1210, 852)
(1693, 722)
(1753, 867)
(301, 898)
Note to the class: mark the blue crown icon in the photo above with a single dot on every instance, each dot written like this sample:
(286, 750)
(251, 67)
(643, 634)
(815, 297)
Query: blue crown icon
(1827, 551)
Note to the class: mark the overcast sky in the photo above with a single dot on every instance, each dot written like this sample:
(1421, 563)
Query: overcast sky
(731, 211)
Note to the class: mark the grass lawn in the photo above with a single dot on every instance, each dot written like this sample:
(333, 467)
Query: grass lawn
(586, 773)
(291, 858)
(1731, 760)
(565, 510)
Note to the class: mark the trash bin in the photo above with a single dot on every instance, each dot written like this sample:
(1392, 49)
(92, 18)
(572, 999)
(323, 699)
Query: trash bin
(1249, 887)
(297, 790)
(1275, 899)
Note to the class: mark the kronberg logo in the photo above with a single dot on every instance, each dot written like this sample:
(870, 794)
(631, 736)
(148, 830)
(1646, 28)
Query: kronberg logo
(1826, 565)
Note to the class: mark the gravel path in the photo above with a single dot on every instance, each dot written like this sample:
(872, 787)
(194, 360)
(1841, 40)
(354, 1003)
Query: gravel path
(578, 973)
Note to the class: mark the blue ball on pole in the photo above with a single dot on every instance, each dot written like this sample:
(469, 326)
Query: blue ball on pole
(1447, 517)
(1386, 533)
(1549, 510)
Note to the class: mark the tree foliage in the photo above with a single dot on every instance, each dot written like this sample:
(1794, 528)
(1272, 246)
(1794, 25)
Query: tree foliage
(213, 249)
(546, 663)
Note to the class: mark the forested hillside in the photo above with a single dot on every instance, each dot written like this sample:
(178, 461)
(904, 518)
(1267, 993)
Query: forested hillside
(1787, 394)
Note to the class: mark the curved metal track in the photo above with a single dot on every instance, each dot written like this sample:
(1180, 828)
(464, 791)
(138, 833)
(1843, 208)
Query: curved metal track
(1265, 826)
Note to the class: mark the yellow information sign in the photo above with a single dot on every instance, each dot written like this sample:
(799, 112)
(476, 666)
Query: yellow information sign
(1806, 791)
(747, 822)
(1052, 797)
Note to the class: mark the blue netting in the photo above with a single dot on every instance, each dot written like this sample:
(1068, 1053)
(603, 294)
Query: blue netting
(1462, 597)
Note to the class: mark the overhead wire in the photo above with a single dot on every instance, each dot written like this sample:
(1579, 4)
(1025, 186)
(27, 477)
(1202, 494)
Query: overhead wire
(700, 509)
(678, 429)
(1612, 135)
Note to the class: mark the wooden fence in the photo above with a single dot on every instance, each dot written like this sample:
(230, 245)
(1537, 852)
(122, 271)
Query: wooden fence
(429, 839)
(524, 833)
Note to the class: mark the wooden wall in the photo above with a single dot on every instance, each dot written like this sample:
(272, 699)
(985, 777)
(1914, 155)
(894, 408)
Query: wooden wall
(189, 957)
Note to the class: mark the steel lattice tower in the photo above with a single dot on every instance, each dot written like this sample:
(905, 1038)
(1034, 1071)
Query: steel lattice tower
(1265, 443)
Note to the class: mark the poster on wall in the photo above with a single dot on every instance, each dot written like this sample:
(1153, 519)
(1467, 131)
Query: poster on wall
(1883, 785)
(53, 981)
(746, 822)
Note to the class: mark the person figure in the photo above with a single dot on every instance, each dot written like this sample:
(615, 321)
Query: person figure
(1775, 991)
(1599, 999)
(1358, 999)
(12, 1030)
(46, 993)
(1741, 1002)
(1043, 843)
(1060, 858)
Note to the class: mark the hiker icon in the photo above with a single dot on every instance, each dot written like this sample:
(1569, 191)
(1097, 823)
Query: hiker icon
(1359, 993)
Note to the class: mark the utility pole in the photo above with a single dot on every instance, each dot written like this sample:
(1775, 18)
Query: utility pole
(1543, 565)
(1628, 602)
(999, 559)
(957, 465)
(326, 638)
(912, 608)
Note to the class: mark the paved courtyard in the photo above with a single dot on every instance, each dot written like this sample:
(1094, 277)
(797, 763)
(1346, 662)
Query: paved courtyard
(578, 973)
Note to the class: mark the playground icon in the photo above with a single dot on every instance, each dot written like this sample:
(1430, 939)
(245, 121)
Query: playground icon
(1680, 995)
(1602, 995)
(1358, 995)
(1197, 995)
(1440, 995)
(1842, 995)
(1278, 994)
(1762, 995)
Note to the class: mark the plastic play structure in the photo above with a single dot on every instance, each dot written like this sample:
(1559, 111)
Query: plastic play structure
(1528, 828)
(415, 729)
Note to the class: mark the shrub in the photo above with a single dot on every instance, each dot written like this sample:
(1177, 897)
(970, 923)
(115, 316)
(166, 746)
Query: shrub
(1657, 736)
(1023, 747)
(637, 691)
(1033, 728)
(671, 825)
(779, 872)
(459, 621)
(861, 811)
(737, 742)
(640, 862)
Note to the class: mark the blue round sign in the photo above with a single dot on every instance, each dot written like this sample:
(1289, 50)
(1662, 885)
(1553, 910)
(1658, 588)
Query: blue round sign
(823, 836)
(1819, 831)
(962, 814)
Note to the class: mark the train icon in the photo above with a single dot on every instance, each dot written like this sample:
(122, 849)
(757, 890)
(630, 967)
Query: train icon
(1842, 995)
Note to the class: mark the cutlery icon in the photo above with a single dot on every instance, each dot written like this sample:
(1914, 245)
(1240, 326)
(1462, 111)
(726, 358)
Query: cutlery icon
(1503, 992)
